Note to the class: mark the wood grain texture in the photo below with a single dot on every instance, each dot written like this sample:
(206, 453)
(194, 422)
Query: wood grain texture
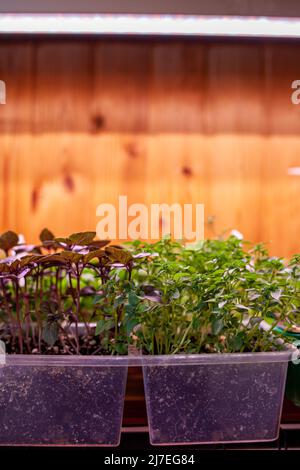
(158, 121)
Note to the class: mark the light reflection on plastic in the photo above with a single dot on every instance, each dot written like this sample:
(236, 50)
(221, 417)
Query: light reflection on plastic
(2, 353)
(150, 24)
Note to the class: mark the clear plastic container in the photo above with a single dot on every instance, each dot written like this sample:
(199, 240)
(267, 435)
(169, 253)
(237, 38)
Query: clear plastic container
(55, 400)
(214, 398)
(191, 399)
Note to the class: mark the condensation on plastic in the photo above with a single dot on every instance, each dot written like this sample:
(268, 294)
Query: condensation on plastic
(78, 400)
(73, 400)
(215, 398)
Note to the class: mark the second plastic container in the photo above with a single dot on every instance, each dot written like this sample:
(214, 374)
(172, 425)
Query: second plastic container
(214, 398)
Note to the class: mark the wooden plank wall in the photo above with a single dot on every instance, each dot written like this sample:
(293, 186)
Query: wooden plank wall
(158, 121)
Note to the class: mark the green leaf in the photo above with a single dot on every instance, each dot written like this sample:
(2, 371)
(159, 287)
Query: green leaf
(130, 324)
(181, 277)
(133, 299)
(104, 325)
(49, 307)
(122, 274)
(50, 333)
(217, 326)
(100, 327)
(97, 299)
(129, 309)
(119, 300)
(236, 342)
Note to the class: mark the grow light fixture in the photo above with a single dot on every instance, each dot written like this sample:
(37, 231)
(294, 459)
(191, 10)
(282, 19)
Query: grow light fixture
(149, 24)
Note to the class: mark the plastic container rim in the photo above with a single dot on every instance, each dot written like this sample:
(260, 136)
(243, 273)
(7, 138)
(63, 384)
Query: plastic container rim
(139, 360)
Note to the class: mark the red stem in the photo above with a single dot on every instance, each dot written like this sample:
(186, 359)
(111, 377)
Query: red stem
(20, 333)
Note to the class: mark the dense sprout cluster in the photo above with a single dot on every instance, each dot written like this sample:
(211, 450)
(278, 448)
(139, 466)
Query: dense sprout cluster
(214, 297)
(79, 295)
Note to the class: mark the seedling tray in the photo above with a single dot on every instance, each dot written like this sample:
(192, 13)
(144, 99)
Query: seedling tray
(50, 400)
(214, 398)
